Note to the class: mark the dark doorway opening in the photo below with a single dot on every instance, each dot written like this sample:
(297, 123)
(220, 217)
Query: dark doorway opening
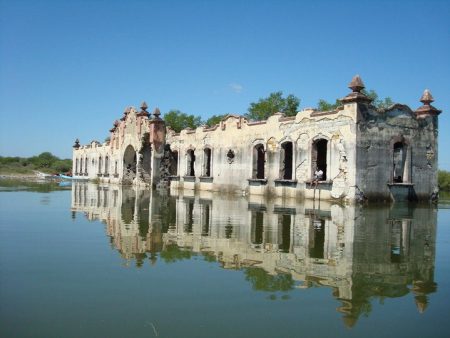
(399, 160)
(259, 161)
(173, 169)
(129, 165)
(319, 157)
(286, 158)
(207, 163)
(190, 163)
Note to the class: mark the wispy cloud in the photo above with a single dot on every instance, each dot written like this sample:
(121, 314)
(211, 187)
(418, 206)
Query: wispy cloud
(236, 87)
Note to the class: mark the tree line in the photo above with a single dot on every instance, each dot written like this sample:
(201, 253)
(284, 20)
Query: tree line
(46, 162)
(262, 109)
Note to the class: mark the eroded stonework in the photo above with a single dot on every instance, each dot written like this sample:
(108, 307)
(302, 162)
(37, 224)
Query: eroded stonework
(364, 153)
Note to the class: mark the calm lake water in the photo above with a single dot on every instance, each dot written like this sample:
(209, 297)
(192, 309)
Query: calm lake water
(101, 261)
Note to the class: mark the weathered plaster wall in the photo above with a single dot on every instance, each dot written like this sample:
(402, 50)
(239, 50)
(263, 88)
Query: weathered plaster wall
(377, 133)
(242, 157)
(239, 136)
(135, 148)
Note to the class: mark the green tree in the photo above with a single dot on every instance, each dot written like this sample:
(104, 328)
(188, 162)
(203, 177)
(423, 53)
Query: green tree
(215, 119)
(444, 180)
(326, 106)
(44, 160)
(178, 120)
(62, 166)
(274, 103)
(378, 103)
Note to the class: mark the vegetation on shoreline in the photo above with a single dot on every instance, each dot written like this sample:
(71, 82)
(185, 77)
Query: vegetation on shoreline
(444, 180)
(45, 162)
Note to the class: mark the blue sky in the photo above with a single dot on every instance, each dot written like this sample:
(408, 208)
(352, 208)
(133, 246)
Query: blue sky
(68, 69)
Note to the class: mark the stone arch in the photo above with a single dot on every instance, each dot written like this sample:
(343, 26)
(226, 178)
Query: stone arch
(100, 164)
(129, 165)
(259, 161)
(286, 159)
(207, 161)
(400, 151)
(106, 172)
(190, 162)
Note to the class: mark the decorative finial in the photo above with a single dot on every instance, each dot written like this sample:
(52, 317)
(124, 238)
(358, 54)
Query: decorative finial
(356, 84)
(144, 111)
(427, 109)
(156, 113)
(426, 98)
(77, 144)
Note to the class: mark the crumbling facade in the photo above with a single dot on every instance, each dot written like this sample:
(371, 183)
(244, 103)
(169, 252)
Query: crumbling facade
(364, 153)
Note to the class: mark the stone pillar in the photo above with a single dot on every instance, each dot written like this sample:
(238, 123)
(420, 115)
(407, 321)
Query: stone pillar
(138, 167)
(157, 139)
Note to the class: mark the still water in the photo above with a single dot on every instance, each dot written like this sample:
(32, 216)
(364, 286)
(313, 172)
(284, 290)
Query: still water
(102, 261)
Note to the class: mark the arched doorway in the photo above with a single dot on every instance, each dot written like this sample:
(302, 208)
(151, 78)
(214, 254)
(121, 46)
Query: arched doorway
(190, 162)
(129, 165)
(286, 157)
(400, 174)
(319, 157)
(259, 161)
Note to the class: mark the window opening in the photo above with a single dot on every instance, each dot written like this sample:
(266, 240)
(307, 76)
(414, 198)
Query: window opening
(319, 158)
(106, 165)
(100, 164)
(259, 160)
(286, 161)
(399, 161)
(173, 169)
(207, 162)
(190, 163)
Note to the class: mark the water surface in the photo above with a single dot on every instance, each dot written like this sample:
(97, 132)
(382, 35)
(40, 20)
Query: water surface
(101, 261)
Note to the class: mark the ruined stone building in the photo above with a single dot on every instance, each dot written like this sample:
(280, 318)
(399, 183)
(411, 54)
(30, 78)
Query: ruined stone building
(364, 153)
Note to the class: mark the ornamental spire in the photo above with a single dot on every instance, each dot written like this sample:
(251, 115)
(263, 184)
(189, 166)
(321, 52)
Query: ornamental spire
(77, 144)
(144, 111)
(156, 113)
(426, 109)
(426, 98)
(356, 85)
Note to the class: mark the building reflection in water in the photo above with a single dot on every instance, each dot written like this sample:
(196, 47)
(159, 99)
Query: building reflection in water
(363, 254)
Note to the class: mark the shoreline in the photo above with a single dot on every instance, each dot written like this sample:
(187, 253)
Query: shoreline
(28, 177)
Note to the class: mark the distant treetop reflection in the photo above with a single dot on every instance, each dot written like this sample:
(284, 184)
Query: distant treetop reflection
(363, 254)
